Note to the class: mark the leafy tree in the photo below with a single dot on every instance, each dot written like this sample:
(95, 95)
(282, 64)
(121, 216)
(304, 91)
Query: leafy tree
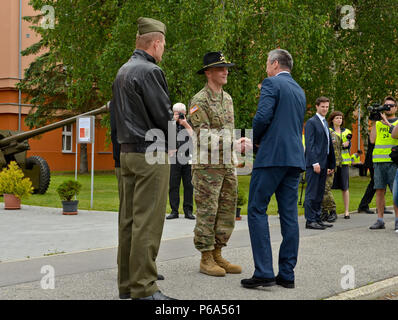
(367, 71)
(65, 76)
(93, 39)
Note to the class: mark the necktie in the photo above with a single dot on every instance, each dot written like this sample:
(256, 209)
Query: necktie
(325, 125)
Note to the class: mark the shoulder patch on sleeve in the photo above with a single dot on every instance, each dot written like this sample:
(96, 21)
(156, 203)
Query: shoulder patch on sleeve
(194, 109)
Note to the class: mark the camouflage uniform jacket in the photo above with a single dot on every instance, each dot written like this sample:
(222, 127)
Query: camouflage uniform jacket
(337, 145)
(209, 113)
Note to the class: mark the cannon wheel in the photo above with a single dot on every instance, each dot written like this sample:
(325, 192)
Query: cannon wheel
(44, 178)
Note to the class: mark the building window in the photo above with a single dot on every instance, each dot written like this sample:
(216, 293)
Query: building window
(67, 134)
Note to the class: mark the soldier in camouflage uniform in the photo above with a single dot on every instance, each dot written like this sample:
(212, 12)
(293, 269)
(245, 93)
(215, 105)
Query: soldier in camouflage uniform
(214, 180)
(328, 203)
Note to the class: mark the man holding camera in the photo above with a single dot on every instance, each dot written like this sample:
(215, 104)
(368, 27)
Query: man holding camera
(180, 167)
(384, 169)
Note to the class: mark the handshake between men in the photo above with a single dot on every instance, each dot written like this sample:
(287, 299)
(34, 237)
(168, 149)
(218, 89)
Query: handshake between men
(206, 137)
(243, 145)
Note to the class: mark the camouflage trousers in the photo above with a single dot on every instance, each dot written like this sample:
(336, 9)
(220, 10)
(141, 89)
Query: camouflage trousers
(328, 203)
(215, 192)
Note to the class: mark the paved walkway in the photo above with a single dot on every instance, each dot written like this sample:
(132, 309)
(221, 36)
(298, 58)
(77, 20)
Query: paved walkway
(82, 252)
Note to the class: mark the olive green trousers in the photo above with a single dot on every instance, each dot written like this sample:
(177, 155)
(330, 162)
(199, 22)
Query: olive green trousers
(143, 190)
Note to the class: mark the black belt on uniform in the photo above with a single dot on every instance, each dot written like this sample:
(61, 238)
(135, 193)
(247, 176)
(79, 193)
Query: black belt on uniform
(138, 147)
(133, 147)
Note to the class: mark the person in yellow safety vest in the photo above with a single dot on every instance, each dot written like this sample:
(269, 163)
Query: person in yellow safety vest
(346, 140)
(342, 175)
(385, 169)
(356, 158)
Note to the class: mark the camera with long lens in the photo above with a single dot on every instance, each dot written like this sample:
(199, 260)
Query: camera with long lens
(375, 111)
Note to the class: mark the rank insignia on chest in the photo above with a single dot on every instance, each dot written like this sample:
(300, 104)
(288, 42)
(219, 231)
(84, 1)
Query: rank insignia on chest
(194, 109)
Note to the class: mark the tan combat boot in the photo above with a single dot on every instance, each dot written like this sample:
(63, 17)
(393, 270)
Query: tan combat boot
(208, 265)
(226, 265)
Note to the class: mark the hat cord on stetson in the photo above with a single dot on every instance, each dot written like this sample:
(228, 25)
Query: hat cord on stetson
(218, 62)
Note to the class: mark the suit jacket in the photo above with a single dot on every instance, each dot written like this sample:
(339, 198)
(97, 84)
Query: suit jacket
(278, 123)
(316, 145)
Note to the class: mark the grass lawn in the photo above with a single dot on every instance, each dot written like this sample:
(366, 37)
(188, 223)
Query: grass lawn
(106, 194)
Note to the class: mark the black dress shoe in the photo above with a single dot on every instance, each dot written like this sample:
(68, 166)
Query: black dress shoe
(156, 296)
(346, 216)
(314, 225)
(127, 295)
(386, 211)
(366, 210)
(323, 224)
(124, 295)
(190, 216)
(172, 215)
(324, 216)
(332, 216)
(284, 283)
(254, 282)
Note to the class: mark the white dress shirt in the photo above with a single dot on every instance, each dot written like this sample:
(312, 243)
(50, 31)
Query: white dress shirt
(322, 118)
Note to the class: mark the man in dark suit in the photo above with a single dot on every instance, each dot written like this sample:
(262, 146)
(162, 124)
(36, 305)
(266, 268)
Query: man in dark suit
(277, 136)
(320, 161)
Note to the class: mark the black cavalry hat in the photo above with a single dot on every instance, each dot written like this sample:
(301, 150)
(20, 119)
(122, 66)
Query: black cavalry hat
(214, 59)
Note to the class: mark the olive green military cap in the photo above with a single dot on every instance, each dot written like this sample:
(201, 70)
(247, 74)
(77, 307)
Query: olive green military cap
(146, 25)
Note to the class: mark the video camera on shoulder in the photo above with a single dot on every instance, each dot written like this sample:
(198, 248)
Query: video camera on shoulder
(376, 109)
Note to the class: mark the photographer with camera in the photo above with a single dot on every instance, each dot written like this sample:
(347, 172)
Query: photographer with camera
(384, 169)
(181, 170)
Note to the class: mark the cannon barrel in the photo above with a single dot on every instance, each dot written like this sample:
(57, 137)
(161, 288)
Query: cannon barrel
(29, 134)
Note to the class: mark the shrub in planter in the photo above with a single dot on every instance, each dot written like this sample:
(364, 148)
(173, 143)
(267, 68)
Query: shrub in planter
(242, 199)
(66, 191)
(13, 184)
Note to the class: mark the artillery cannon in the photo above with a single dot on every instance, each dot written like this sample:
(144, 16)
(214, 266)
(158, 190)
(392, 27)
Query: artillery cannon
(14, 144)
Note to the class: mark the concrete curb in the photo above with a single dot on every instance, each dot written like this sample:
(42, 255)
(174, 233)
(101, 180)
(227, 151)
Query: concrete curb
(369, 292)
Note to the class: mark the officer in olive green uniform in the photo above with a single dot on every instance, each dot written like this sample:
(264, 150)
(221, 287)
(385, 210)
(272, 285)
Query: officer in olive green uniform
(214, 180)
(140, 96)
